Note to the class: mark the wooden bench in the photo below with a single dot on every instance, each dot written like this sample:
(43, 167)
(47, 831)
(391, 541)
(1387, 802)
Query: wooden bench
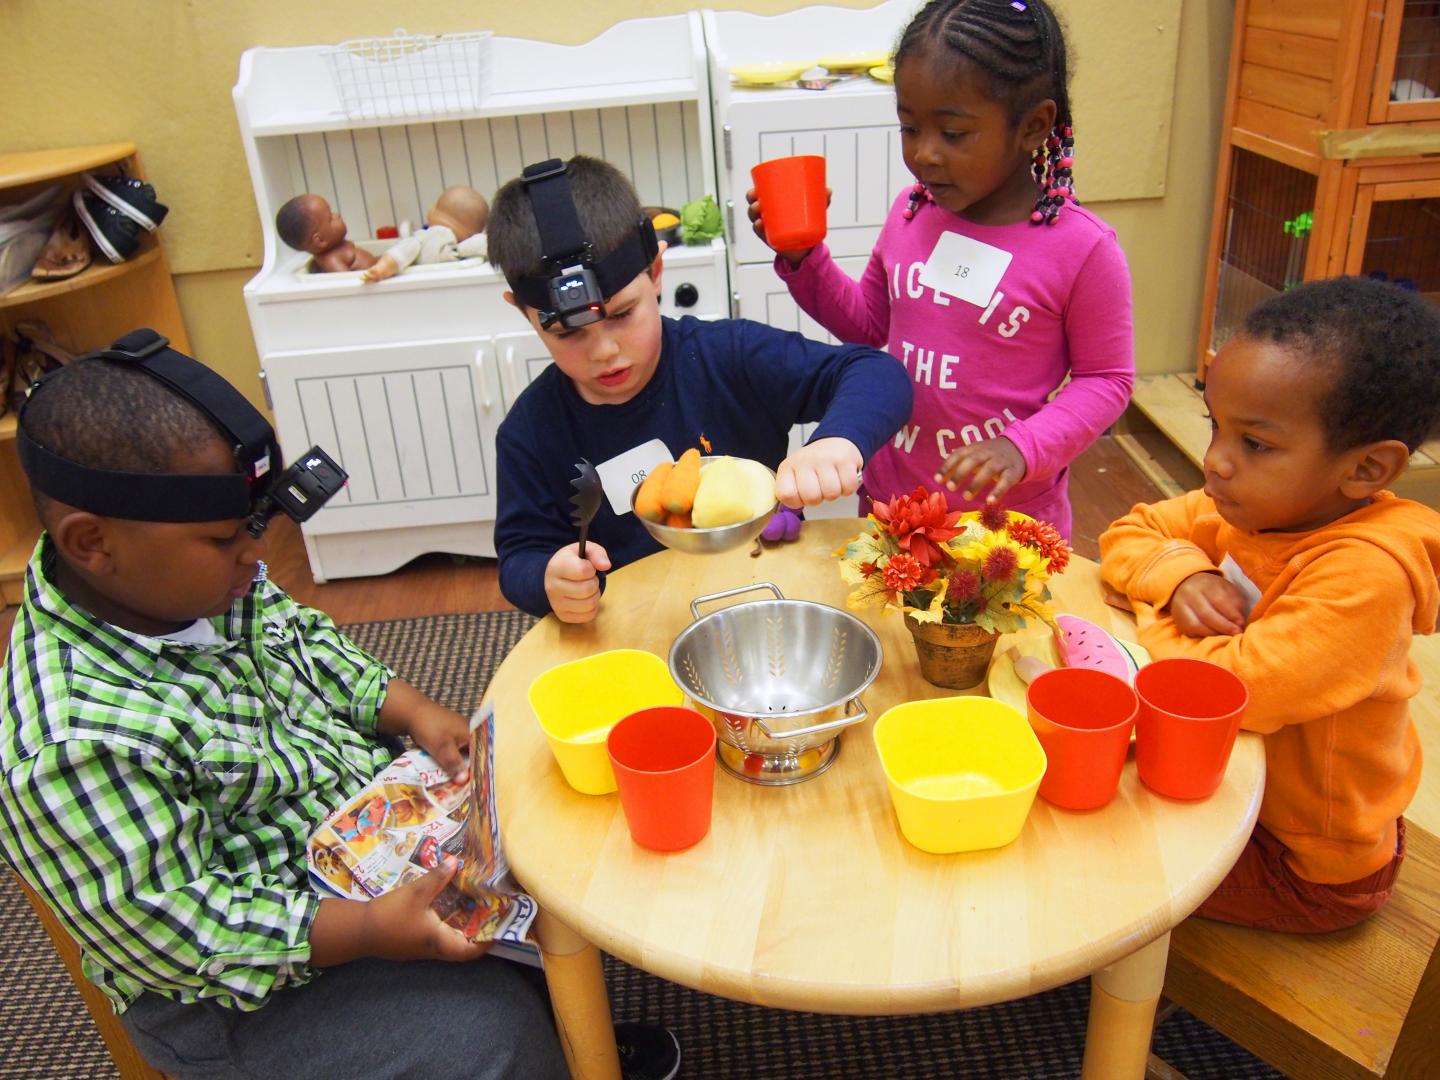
(1363, 1002)
(1165, 433)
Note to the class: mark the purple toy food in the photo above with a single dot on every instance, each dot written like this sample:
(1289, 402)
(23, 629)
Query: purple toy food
(785, 525)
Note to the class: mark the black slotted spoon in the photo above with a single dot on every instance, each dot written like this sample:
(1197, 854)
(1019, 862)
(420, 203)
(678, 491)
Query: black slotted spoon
(586, 500)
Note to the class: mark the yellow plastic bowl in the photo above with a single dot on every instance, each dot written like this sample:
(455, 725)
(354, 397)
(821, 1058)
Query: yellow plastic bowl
(963, 771)
(578, 703)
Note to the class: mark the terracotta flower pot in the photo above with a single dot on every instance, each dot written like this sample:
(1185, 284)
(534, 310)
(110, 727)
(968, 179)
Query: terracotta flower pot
(952, 655)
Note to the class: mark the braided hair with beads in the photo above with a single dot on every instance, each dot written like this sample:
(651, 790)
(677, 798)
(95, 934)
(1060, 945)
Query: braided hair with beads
(1019, 49)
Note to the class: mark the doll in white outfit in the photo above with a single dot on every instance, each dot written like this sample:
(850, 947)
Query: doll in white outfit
(454, 230)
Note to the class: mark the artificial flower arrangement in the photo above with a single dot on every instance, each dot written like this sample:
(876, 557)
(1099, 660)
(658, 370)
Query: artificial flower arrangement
(989, 567)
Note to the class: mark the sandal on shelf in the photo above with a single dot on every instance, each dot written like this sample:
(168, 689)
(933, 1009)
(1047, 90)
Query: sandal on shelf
(7, 371)
(66, 253)
(37, 353)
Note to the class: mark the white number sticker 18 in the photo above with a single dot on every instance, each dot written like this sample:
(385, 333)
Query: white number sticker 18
(965, 268)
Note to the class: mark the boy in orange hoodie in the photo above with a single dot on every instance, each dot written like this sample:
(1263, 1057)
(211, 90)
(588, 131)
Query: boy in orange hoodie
(1298, 571)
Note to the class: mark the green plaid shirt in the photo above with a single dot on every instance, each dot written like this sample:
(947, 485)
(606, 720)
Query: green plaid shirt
(160, 794)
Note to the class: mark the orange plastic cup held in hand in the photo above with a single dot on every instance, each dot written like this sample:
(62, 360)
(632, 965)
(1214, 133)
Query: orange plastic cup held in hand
(791, 193)
(1082, 718)
(664, 762)
(1190, 712)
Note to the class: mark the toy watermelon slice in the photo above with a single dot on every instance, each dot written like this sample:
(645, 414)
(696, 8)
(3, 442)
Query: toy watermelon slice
(1083, 644)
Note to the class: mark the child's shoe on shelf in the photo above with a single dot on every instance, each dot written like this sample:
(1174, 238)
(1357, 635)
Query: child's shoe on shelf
(133, 198)
(114, 234)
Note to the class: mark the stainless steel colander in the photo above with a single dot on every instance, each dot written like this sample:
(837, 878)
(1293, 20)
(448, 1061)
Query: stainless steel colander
(778, 678)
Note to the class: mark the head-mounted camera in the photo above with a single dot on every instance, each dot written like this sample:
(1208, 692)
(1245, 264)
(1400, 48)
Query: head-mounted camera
(573, 285)
(260, 488)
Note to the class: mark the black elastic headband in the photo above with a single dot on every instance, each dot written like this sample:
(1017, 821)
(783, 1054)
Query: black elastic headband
(175, 497)
(612, 273)
(171, 497)
(563, 243)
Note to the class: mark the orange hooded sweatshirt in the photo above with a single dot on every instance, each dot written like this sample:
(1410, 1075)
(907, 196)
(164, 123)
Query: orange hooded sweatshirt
(1325, 654)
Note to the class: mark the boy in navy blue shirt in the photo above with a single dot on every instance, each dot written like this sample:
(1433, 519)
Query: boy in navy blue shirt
(632, 388)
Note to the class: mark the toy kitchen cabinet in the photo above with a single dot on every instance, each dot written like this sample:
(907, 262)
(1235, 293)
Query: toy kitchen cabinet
(406, 381)
(851, 123)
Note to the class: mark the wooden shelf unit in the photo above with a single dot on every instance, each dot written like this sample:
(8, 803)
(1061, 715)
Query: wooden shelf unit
(85, 312)
(96, 273)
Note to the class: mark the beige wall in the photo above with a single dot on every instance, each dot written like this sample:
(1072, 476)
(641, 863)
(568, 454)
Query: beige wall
(159, 73)
(1165, 238)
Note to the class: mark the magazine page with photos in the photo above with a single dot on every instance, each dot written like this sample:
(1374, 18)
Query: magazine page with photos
(404, 821)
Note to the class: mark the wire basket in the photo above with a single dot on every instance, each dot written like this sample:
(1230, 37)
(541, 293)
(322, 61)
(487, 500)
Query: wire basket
(411, 74)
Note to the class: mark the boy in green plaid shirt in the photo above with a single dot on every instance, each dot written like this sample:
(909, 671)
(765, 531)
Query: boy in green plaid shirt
(172, 728)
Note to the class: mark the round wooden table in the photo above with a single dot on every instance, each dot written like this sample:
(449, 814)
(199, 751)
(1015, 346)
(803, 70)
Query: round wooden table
(807, 897)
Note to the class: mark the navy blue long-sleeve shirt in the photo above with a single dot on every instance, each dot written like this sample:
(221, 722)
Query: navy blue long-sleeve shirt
(742, 384)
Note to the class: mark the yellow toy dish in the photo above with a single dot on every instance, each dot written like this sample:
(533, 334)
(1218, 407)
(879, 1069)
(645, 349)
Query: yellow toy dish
(770, 73)
(578, 703)
(962, 771)
(883, 73)
(861, 61)
(1004, 685)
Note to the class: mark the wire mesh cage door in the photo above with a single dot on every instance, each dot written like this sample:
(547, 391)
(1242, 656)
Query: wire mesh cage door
(1407, 83)
(1270, 213)
(411, 74)
(1398, 239)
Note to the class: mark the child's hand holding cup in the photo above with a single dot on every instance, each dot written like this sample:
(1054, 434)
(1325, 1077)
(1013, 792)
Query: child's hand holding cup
(787, 204)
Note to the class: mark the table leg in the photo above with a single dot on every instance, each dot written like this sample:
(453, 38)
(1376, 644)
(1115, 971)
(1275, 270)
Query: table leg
(577, 994)
(1122, 1013)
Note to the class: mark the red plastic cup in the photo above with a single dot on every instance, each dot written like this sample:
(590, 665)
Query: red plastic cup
(1190, 712)
(664, 762)
(791, 192)
(1082, 718)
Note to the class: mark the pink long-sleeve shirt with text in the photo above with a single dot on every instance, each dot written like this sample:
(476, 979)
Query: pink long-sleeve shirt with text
(980, 370)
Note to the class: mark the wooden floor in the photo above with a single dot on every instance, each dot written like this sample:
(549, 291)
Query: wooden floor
(1103, 485)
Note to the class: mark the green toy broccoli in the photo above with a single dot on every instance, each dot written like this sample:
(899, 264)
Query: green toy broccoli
(700, 220)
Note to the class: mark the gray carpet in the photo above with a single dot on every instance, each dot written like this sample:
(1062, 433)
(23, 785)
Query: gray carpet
(46, 1034)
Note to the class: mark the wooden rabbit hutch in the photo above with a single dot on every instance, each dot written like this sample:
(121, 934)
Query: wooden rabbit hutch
(1329, 164)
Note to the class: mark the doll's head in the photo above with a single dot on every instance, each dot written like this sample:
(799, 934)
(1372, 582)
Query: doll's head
(462, 210)
(307, 223)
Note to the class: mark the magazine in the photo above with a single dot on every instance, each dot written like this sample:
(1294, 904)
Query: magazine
(404, 821)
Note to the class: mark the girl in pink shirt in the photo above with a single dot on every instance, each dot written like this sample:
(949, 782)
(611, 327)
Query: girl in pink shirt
(1007, 302)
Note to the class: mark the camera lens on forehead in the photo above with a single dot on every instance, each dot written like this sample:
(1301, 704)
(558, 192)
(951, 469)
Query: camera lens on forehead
(583, 317)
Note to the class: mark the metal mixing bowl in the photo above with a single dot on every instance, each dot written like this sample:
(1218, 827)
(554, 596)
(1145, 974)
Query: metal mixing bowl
(704, 541)
(780, 679)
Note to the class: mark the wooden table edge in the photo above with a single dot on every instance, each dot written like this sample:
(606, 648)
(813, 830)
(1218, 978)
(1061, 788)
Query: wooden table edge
(856, 1000)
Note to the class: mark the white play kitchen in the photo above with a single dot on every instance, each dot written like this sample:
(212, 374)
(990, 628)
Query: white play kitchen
(406, 380)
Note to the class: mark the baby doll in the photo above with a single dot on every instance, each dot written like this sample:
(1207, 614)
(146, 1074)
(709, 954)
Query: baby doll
(454, 230)
(307, 223)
